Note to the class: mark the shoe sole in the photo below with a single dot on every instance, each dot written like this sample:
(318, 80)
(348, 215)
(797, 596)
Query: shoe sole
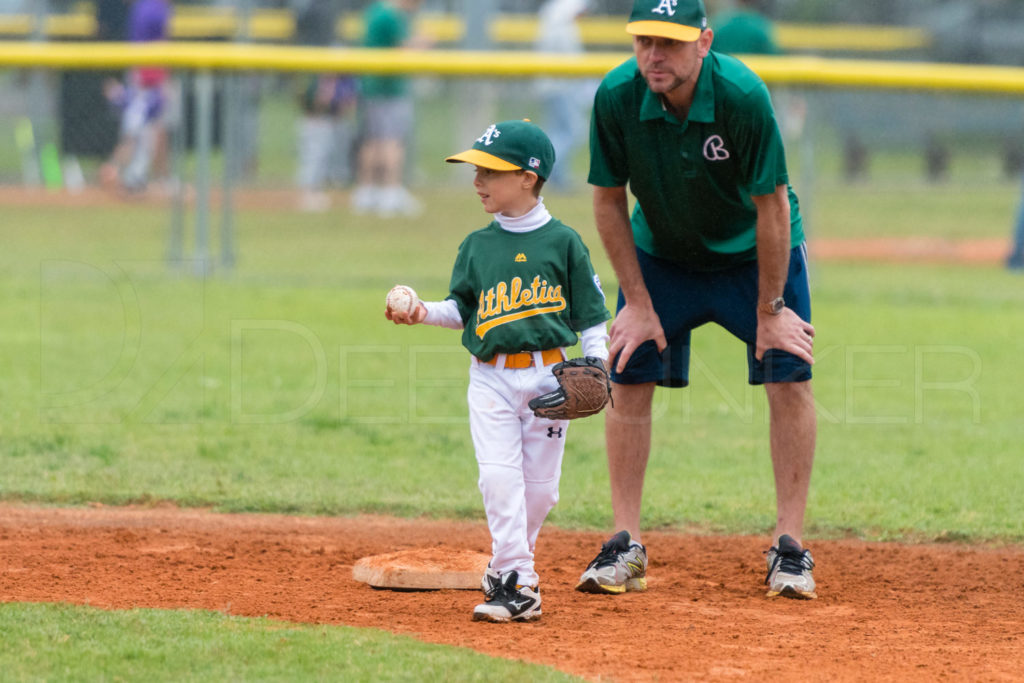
(790, 592)
(632, 585)
(532, 616)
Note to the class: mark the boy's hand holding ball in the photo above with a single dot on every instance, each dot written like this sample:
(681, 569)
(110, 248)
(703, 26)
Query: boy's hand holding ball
(403, 306)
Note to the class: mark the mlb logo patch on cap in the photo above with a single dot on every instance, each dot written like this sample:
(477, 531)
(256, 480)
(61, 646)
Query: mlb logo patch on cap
(534, 162)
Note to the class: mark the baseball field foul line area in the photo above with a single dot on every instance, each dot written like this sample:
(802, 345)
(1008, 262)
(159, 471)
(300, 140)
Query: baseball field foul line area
(886, 611)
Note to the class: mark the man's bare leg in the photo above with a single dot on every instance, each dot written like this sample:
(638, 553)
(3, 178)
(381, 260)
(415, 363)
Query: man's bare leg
(794, 428)
(621, 566)
(628, 441)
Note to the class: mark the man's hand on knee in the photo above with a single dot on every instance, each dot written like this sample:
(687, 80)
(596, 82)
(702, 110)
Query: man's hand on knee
(787, 332)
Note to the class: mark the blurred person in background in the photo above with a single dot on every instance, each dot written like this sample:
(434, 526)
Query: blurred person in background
(566, 101)
(328, 102)
(142, 147)
(386, 116)
(745, 30)
(111, 19)
(1015, 261)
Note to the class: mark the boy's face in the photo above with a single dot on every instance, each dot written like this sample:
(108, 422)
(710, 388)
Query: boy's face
(507, 192)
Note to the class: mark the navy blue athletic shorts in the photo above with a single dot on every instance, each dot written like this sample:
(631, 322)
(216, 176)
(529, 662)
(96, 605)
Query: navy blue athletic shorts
(686, 300)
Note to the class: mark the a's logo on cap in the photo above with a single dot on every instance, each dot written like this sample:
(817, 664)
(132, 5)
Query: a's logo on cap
(666, 7)
(520, 257)
(491, 132)
(534, 162)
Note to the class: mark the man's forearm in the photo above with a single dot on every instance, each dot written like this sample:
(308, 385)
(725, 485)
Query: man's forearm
(611, 215)
(773, 238)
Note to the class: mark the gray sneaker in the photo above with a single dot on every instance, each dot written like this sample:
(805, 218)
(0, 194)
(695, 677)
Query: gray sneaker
(618, 568)
(789, 570)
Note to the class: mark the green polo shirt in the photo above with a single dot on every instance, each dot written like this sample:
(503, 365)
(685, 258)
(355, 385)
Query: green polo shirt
(693, 179)
(386, 27)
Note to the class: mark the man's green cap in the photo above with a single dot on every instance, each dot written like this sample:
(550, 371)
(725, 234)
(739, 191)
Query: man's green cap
(676, 19)
(511, 146)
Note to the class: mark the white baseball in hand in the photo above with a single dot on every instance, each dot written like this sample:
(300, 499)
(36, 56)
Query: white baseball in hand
(402, 300)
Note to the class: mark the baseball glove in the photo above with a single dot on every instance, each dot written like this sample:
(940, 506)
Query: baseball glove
(583, 389)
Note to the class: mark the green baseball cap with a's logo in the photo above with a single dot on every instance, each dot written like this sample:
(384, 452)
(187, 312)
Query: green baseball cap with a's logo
(511, 146)
(676, 19)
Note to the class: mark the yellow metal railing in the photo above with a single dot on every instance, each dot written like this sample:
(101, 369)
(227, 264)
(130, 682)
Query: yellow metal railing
(192, 23)
(806, 71)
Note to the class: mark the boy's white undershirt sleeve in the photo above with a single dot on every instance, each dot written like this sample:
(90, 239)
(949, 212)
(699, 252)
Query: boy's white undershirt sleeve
(594, 341)
(443, 314)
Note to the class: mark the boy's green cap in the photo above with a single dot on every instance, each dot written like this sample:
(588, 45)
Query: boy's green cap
(511, 146)
(676, 19)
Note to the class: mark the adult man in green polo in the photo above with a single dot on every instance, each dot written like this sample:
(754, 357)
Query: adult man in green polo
(715, 236)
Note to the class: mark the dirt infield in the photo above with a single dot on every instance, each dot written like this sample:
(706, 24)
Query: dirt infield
(886, 612)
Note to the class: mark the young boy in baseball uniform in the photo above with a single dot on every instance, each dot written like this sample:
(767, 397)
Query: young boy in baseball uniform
(522, 290)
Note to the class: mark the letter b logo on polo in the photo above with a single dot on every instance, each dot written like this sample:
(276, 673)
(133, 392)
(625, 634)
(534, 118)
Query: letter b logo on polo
(666, 7)
(714, 149)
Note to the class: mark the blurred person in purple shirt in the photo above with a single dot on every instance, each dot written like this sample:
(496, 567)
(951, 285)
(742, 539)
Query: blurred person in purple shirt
(142, 101)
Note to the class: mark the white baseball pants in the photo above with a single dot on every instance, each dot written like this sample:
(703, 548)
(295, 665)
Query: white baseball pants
(520, 459)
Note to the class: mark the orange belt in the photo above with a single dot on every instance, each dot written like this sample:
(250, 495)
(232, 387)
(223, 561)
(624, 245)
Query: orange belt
(524, 359)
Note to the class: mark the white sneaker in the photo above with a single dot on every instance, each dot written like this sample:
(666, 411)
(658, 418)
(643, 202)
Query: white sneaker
(789, 570)
(398, 201)
(365, 198)
(510, 602)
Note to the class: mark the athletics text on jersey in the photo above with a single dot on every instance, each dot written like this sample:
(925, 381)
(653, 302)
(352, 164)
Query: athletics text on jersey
(525, 291)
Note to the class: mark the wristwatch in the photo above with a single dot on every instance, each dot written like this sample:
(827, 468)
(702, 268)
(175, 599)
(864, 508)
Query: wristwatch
(774, 307)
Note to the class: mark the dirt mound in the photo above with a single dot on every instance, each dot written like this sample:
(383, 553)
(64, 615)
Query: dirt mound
(886, 611)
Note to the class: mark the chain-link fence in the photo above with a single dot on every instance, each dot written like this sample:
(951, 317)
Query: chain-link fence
(301, 132)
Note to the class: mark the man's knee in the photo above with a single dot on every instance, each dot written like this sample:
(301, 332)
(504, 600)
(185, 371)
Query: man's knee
(631, 400)
(790, 396)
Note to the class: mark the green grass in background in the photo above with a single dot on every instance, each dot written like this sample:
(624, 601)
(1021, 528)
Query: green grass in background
(60, 642)
(280, 387)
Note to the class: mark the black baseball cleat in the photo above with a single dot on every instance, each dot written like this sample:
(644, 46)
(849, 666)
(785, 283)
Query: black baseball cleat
(510, 602)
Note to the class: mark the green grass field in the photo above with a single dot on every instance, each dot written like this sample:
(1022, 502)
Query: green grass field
(61, 642)
(279, 387)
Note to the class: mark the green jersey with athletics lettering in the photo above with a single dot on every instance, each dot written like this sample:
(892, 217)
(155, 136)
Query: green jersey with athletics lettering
(525, 291)
(693, 179)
